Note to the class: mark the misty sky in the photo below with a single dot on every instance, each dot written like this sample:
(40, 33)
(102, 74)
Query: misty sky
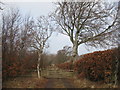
(57, 41)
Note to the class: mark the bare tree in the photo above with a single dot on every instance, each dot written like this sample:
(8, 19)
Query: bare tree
(91, 23)
(26, 34)
(43, 33)
(63, 55)
(68, 50)
(10, 25)
(60, 57)
(1, 8)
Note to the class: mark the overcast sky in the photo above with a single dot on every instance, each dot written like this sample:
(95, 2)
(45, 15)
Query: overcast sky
(57, 41)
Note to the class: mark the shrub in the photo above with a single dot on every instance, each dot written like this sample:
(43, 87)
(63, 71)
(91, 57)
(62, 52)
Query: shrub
(12, 66)
(98, 65)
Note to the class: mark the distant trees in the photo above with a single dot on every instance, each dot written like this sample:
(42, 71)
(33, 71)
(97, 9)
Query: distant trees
(68, 50)
(64, 54)
(91, 23)
(60, 57)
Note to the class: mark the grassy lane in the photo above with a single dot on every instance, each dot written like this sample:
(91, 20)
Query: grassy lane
(53, 78)
(58, 79)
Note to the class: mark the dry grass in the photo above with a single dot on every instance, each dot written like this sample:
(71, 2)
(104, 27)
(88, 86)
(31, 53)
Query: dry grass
(85, 83)
(59, 84)
(34, 82)
(25, 82)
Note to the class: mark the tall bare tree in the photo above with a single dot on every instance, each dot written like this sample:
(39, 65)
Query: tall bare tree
(90, 23)
(43, 33)
(10, 26)
(26, 34)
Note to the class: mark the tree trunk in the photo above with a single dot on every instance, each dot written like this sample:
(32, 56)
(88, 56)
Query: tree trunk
(38, 70)
(38, 65)
(75, 50)
(75, 46)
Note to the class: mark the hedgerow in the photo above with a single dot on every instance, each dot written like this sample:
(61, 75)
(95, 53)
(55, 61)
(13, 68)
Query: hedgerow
(96, 66)
(13, 66)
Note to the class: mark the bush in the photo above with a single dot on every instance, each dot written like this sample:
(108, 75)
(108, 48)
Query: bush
(96, 66)
(99, 65)
(12, 66)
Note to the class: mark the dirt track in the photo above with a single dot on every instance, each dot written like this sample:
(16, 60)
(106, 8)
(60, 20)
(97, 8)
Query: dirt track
(53, 78)
(59, 83)
(59, 79)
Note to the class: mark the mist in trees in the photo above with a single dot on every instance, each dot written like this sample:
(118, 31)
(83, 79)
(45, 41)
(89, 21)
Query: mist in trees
(63, 55)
